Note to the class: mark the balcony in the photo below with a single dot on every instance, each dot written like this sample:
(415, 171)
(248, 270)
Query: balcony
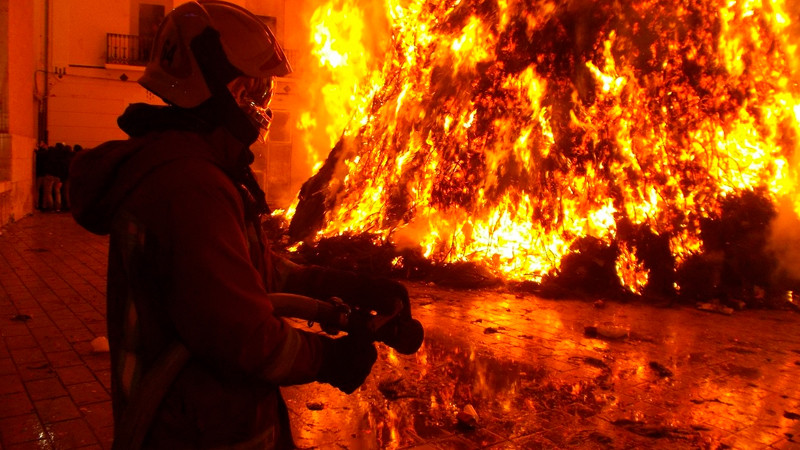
(128, 50)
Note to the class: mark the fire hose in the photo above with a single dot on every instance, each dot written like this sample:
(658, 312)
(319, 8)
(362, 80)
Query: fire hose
(396, 328)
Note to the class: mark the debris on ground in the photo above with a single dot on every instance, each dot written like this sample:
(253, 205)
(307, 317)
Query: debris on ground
(791, 415)
(100, 344)
(660, 369)
(584, 437)
(606, 331)
(393, 389)
(22, 318)
(595, 362)
(749, 373)
(655, 431)
(602, 380)
(389, 388)
(315, 406)
(467, 417)
(715, 308)
(599, 304)
(699, 401)
(39, 366)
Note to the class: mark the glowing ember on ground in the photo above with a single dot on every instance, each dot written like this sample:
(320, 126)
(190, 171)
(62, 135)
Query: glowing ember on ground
(505, 131)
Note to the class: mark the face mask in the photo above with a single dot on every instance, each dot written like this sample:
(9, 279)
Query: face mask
(253, 96)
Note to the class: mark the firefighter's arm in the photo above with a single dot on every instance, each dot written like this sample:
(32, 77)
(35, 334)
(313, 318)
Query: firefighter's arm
(365, 291)
(219, 303)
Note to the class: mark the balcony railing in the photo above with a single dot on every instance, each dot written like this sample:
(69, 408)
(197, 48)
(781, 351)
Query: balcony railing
(127, 49)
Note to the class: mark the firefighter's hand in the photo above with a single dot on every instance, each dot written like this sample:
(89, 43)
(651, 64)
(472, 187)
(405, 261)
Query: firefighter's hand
(346, 362)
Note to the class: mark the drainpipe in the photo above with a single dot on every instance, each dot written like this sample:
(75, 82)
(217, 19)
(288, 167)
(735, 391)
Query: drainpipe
(43, 132)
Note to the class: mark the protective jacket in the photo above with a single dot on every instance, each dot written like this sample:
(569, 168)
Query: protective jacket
(187, 264)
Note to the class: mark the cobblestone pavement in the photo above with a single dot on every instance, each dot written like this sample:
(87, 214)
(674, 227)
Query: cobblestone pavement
(646, 378)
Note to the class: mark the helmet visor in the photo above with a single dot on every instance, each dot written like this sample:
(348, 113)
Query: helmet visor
(253, 96)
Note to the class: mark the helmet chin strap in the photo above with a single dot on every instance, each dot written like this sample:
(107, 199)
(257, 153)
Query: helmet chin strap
(218, 72)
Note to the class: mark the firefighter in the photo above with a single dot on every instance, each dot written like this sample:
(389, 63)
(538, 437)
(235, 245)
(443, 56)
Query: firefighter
(197, 352)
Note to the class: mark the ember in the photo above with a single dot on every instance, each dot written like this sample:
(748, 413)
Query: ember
(639, 147)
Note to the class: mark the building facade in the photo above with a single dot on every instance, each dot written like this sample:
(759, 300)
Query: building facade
(69, 68)
(18, 107)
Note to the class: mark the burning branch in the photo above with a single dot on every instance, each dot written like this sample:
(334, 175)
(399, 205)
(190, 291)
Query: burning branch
(530, 136)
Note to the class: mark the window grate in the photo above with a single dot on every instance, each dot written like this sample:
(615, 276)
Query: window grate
(127, 49)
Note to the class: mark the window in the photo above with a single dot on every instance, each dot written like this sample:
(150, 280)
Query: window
(150, 17)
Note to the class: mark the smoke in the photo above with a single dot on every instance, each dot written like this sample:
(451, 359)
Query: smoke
(784, 237)
(340, 52)
(784, 242)
(785, 229)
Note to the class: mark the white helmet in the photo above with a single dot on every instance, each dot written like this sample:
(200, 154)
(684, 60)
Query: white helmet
(249, 48)
(215, 50)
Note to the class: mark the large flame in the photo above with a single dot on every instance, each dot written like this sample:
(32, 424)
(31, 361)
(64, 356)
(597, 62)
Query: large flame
(344, 45)
(503, 131)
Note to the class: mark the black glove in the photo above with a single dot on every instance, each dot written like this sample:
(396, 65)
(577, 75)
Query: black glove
(346, 362)
(378, 294)
(363, 291)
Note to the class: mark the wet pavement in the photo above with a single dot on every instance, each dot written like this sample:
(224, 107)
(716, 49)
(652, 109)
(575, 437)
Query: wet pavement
(651, 378)
(538, 373)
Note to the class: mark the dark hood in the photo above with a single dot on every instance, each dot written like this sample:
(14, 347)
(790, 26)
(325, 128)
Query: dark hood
(140, 119)
(101, 178)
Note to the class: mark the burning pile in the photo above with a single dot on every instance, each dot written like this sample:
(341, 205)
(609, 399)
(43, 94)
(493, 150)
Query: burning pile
(639, 146)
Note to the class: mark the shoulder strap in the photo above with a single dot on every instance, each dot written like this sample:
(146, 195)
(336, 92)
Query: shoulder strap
(142, 405)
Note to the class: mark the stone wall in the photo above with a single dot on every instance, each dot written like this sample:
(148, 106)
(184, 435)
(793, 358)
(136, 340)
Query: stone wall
(18, 124)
